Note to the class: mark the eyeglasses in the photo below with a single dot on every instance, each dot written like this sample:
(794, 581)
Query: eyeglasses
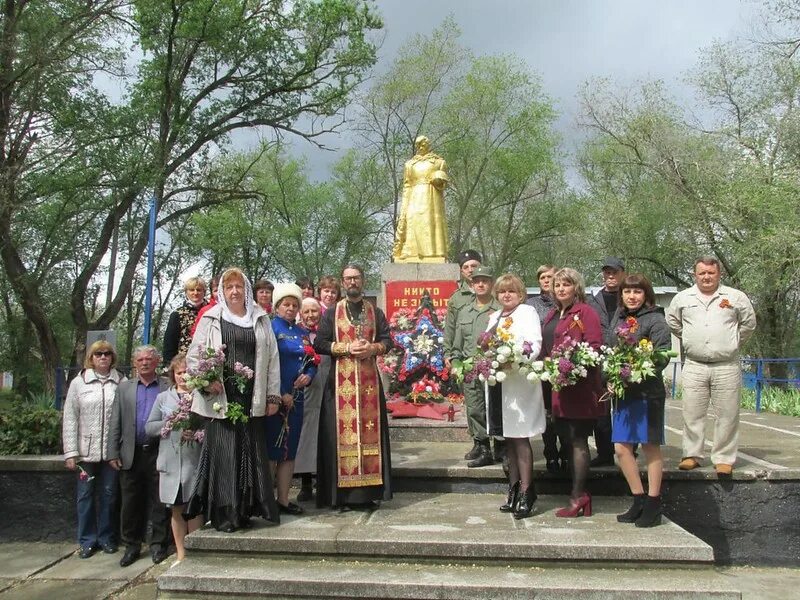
(103, 353)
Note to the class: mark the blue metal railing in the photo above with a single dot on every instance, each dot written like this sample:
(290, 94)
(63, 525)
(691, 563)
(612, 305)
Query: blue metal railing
(757, 380)
(753, 377)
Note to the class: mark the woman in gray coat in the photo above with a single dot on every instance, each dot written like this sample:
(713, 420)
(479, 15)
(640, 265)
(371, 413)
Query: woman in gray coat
(178, 455)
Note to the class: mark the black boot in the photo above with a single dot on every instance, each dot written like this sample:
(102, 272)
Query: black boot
(635, 511)
(512, 499)
(651, 515)
(527, 501)
(476, 450)
(484, 457)
(306, 488)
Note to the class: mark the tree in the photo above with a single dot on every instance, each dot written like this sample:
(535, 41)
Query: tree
(288, 227)
(76, 168)
(666, 189)
(487, 116)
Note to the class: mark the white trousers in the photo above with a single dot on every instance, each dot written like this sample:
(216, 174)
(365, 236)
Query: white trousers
(717, 386)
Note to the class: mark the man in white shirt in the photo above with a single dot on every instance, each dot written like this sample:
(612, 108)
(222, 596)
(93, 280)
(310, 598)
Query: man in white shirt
(712, 321)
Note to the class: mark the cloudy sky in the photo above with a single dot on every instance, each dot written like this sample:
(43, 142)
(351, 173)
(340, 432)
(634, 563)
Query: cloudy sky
(568, 42)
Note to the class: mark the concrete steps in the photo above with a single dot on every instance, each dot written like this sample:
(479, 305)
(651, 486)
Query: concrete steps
(448, 546)
(244, 577)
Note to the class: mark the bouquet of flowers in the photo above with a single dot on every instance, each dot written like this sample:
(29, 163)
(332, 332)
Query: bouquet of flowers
(310, 357)
(183, 419)
(241, 375)
(568, 363)
(426, 390)
(631, 362)
(208, 369)
(499, 353)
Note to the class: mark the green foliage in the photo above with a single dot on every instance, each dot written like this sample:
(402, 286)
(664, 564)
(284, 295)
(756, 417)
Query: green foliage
(663, 191)
(775, 400)
(490, 120)
(29, 428)
(286, 226)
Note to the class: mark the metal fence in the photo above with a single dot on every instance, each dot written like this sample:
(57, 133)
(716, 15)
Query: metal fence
(757, 373)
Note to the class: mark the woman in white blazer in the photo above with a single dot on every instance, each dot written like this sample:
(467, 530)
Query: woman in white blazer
(516, 408)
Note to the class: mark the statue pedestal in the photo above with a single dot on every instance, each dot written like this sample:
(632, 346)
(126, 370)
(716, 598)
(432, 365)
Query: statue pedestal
(402, 284)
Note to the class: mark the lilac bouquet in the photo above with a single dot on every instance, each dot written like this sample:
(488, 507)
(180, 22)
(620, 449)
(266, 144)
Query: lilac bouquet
(183, 419)
(241, 375)
(569, 363)
(208, 369)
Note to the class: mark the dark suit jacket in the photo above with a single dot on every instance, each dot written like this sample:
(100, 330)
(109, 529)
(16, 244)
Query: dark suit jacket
(122, 434)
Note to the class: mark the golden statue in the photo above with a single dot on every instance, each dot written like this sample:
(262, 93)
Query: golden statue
(421, 235)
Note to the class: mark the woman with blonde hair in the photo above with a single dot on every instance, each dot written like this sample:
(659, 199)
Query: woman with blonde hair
(178, 335)
(233, 479)
(178, 454)
(516, 410)
(85, 429)
(575, 407)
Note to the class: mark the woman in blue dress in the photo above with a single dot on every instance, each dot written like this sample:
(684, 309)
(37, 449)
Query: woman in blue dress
(297, 371)
(639, 415)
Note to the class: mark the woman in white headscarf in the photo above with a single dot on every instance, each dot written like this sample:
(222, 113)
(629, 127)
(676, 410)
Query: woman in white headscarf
(233, 479)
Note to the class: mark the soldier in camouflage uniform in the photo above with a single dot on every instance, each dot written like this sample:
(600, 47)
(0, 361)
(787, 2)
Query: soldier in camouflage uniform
(468, 261)
(471, 321)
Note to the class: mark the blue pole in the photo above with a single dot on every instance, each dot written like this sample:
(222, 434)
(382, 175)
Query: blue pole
(759, 378)
(59, 386)
(148, 288)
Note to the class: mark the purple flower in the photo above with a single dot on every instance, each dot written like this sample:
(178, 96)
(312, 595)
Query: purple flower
(625, 371)
(564, 366)
(527, 348)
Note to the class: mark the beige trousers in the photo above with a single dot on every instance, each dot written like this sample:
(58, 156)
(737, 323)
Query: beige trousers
(717, 386)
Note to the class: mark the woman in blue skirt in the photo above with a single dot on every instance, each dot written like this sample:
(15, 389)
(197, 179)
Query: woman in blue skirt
(297, 371)
(638, 416)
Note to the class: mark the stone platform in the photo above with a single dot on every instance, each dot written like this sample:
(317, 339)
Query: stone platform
(750, 518)
(448, 546)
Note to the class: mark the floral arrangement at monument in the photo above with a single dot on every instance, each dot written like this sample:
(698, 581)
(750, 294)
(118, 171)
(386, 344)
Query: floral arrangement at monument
(415, 366)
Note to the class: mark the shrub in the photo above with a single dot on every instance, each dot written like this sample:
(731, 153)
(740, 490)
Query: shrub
(28, 428)
(782, 401)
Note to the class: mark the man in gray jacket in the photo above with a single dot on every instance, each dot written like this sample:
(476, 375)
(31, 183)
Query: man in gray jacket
(712, 321)
(134, 453)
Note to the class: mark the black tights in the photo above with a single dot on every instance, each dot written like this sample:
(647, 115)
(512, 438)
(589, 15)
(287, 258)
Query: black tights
(520, 461)
(577, 431)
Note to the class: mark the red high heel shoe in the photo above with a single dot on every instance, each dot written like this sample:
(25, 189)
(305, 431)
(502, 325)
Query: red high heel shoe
(579, 507)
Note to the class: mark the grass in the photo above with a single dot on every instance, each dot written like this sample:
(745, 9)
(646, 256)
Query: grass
(782, 401)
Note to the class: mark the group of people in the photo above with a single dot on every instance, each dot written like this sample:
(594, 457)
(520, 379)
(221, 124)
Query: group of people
(711, 322)
(296, 391)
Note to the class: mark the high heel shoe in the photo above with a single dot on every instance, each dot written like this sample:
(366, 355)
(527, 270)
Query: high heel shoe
(578, 507)
(526, 504)
(512, 499)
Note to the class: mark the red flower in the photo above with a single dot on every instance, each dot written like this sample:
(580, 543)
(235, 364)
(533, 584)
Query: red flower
(633, 324)
(725, 303)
